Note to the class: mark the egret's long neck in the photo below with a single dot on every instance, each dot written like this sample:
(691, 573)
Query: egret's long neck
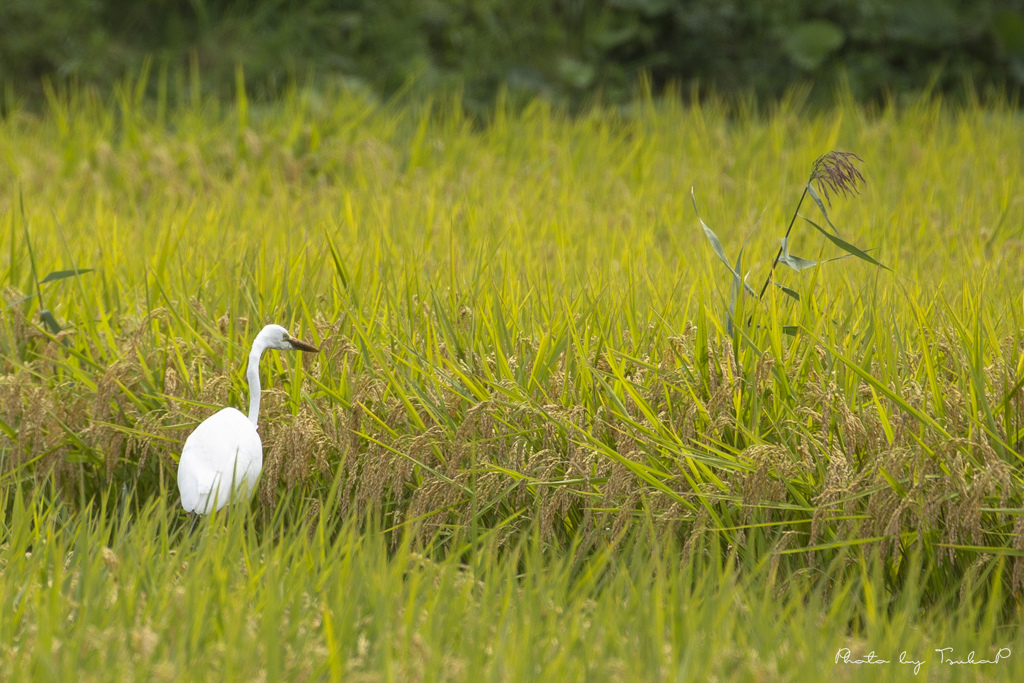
(252, 373)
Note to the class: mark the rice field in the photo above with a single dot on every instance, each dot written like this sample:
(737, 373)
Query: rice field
(547, 437)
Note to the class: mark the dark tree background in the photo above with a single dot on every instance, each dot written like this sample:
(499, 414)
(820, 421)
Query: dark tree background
(565, 49)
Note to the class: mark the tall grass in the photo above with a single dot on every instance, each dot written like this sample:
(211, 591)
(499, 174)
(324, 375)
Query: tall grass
(97, 597)
(523, 330)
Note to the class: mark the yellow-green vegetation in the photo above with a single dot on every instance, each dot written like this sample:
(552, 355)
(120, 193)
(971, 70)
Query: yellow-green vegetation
(129, 598)
(532, 446)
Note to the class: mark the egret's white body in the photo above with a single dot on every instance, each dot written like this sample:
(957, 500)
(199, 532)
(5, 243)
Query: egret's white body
(222, 459)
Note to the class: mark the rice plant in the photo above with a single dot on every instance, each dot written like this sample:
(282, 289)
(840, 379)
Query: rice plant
(105, 596)
(524, 376)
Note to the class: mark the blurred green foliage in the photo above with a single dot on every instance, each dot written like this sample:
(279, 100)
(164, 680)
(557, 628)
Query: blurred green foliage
(565, 49)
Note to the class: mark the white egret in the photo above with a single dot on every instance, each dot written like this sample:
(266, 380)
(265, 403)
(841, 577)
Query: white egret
(223, 457)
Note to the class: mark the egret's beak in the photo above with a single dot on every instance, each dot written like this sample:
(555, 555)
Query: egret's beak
(300, 345)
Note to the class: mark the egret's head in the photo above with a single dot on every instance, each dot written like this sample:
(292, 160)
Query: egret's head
(276, 337)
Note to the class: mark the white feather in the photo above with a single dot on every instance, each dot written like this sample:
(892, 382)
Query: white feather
(224, 449)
